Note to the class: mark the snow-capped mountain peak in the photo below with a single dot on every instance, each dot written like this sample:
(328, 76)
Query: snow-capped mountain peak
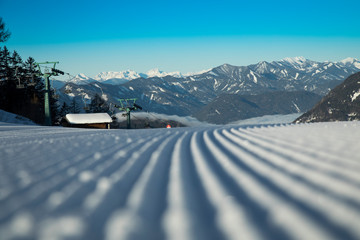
(81, 78)
(158, 73)
(350, 62)
(154, 73)
(295, 60)
(224, 69)
(263, 67)
(124, 75)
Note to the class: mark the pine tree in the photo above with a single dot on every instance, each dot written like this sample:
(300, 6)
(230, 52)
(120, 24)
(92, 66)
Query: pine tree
(65, 109)
(98, 105)
(54, 108)
(22, 88)
(74, 107)
(8, 85)
(18, 69)
(7, 72)
(4, 33)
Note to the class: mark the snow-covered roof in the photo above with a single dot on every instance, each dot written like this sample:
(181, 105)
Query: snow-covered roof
(88, 118)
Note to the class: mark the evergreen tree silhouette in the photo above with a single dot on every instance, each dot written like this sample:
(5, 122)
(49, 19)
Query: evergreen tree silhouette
(4, 33)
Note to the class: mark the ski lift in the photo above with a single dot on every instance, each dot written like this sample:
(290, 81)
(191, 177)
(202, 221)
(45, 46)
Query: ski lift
(128, 105)
(55, 95)
(32, 78)
(32, 81)
(86, 108)
(68, 89)
(19, 85)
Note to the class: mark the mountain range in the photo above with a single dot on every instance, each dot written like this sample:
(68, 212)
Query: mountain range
(340, 104)
(121, 77)
(174, 93)
(290, 68)
(228, 108)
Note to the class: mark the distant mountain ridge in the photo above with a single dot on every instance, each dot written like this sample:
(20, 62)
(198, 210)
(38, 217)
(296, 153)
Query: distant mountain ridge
(295, 68)
(187, 95)
(228, 108)
(121, 77)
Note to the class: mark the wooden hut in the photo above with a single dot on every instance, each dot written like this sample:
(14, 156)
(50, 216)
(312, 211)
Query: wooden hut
(88, 120)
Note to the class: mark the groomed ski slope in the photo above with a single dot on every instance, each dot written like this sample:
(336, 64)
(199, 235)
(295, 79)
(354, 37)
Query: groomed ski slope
(232, 182)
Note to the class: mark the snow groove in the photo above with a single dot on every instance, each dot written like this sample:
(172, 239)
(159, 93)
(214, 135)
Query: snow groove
(248, 173)
(231, 182)
(330, 164)
(296, 164)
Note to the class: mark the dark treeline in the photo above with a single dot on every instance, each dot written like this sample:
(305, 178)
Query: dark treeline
(22, 91)
(22, 88)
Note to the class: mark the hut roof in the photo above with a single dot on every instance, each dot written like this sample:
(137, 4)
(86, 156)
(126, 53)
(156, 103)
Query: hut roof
(88, 118)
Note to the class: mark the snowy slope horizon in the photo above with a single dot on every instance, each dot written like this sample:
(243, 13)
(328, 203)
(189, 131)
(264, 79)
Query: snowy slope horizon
(299, 63)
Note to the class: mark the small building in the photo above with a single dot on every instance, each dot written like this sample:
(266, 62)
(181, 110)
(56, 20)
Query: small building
(88, 120)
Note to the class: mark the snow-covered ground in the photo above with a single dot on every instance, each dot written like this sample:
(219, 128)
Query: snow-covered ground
(269, 119)
(14, 118)
(230, 182)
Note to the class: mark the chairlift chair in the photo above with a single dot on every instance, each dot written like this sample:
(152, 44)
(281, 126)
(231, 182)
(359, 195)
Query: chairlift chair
(86, 107)
(32, 81)
(19, 85)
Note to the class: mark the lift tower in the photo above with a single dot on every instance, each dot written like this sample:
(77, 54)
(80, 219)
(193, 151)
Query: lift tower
(128, 105)
(47, 73)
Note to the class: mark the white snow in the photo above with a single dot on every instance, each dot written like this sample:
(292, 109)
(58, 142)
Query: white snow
(355, 95)
(284, 72)
(268, 119)
(124, 75)
(13, 118)
(119, 77)
(208, 182)
(296, 106)
(350, 61)
(88, 118)
(157, 73)
(297, 75)
(189, 74)
(297, 60)
(254, 77)
(80, 79)
(105, 97)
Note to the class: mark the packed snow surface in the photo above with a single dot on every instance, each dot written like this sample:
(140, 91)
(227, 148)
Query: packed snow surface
(231, 182)
(14, 118)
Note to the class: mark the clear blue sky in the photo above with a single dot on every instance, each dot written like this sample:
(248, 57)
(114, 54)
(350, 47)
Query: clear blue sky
(188, 35)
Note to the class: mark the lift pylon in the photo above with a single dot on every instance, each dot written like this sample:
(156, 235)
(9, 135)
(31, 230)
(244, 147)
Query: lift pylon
(47, 73)
(128, 105)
